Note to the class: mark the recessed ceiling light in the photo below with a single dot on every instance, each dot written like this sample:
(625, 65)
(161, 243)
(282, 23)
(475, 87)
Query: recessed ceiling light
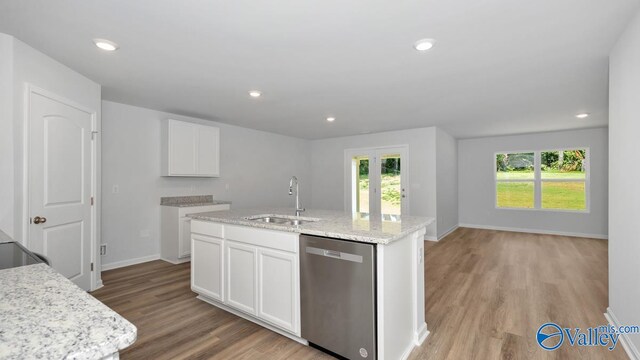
(106, 45)
(582, 116)
(331, 119)
(424, 44)
(255, 93)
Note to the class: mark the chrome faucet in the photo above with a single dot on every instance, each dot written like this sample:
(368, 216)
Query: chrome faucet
(291, 181)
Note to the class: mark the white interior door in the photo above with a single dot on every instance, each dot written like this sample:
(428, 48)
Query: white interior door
(60, 168)
(377, 180)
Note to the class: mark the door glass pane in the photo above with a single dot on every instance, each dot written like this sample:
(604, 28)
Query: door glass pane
(564, 195)
(515, 166)
(566, 164)
(390, 188)
(515, 194)
(360, 186)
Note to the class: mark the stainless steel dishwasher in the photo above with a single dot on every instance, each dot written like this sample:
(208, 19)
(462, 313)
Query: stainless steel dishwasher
(338, 296)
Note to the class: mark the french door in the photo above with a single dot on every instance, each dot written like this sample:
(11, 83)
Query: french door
(376, 180)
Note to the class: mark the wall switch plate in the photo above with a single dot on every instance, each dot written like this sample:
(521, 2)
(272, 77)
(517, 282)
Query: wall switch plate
(103, 249)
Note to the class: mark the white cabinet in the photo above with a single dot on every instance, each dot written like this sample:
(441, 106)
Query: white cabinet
(190, 149)
(278, 288)
(207, 266)
(241, 284)
(175, 231)
(261, 272)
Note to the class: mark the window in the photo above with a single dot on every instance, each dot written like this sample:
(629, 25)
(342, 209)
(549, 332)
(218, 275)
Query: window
(550, 180)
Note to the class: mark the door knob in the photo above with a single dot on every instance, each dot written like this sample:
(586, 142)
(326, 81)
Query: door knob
(39, 220)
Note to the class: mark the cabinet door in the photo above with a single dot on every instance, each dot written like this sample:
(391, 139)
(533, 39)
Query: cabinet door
(207, 266)
(241, 276)
(182, 148)
(278, 294)
(184, 234)
(208, 151)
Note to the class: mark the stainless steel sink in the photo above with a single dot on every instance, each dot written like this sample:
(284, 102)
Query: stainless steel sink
(281, 220)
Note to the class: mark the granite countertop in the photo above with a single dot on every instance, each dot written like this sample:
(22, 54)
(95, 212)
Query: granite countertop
(335, 224)
(43, 315)
(191, 201)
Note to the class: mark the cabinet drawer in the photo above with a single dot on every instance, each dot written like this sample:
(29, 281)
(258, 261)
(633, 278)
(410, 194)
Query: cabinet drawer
(207, 228)
(279, 240)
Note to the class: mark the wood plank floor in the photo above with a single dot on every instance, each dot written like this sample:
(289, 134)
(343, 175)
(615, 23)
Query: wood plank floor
(487, 294)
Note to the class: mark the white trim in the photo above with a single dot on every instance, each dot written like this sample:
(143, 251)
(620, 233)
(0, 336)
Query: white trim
(421, 335)
(446, 233)
(438, 238)
(179, 261)
(129, 262)
(535, 231)
(407, 352)
(430, 238)
(629, 347)
(29, 89)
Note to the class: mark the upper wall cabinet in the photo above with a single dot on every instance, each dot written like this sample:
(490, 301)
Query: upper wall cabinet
(190, 149)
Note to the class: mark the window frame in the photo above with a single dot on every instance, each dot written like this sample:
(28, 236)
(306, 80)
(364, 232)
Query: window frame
(537, 180)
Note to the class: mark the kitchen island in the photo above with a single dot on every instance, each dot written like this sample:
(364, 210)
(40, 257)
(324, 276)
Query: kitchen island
(43, 315)
(248, 262)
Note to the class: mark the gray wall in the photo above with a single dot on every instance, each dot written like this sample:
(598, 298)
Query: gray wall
(327, 158)
(21, 64)
(447, 182)
(6, 134)
(477, 185)
(255, 165)
(624, 193)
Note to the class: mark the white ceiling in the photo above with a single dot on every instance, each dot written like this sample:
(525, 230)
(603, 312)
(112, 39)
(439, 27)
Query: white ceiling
(498, 67)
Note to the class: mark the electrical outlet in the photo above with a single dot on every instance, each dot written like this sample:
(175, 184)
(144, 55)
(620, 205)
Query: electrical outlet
(103, 249)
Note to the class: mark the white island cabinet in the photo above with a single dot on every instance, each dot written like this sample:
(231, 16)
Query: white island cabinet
(252, 269)
(248, 271)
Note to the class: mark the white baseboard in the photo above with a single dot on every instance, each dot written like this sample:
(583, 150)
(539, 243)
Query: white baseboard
(535, 231)
(421, 334)
(438, 238)
(128, 262)
(629, 347)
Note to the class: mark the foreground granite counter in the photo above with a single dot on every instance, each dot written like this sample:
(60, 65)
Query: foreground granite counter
(43, 315)
(335, 224)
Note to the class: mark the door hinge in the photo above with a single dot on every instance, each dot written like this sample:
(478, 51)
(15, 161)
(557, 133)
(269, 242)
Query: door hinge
(92, 201)
(91, 266)
(93, 135)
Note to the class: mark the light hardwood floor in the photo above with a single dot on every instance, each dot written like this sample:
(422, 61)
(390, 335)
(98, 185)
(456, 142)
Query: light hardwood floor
(487, 294)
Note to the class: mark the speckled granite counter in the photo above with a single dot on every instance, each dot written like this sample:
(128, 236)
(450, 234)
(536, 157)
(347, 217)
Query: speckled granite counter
(45, 316)
(335, 224)
(191, 201)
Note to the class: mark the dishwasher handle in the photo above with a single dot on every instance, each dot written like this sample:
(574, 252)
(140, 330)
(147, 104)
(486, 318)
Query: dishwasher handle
(333, 254)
